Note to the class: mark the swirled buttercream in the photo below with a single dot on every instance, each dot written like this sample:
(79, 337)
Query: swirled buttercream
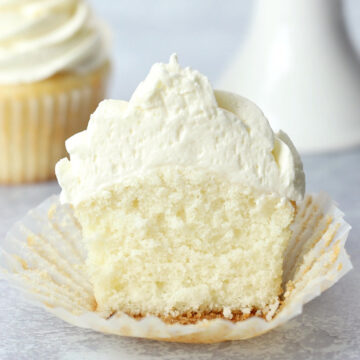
(40, 38)
(175, 118)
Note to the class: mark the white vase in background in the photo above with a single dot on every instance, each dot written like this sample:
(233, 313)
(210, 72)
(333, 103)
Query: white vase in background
(298, 65)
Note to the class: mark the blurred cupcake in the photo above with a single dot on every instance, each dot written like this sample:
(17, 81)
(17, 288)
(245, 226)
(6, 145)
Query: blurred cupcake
(53, 72)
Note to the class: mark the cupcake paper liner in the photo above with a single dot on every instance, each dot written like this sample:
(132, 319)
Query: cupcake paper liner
(43, 256)
(36, 119)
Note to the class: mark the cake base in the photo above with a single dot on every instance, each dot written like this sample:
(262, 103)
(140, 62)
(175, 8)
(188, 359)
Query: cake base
(176, 240)
(192, 317)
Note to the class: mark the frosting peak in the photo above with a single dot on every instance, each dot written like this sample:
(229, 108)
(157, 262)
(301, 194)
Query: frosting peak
(41, 38)
(175, 118)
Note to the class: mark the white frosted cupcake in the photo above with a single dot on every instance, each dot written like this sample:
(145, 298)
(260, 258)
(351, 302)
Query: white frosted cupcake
(185, 197)
(53, 72)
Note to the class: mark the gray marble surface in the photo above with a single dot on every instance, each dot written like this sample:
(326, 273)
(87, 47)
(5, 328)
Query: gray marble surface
(205, 35)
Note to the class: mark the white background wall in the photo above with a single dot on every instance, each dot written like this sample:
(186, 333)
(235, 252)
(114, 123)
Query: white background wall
(204, 33)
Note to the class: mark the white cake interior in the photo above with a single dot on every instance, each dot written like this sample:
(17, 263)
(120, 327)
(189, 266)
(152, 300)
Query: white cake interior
(177, 239)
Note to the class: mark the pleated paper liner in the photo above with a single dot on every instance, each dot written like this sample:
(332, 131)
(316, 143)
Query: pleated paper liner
(37, 118)
(43, 256)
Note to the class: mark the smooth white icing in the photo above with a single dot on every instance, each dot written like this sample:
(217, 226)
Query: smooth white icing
(175, 118)
(41, 38)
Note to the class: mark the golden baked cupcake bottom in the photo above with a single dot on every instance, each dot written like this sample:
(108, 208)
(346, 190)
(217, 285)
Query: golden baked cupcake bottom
(37, 118)
(191, 317)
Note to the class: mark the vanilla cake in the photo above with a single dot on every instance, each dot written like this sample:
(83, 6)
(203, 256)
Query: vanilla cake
(185, 197)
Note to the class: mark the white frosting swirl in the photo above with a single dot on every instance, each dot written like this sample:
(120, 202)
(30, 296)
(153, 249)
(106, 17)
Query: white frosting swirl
(39, 38)
(175, 118)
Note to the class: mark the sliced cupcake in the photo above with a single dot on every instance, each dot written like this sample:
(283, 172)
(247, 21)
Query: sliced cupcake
(186, 199)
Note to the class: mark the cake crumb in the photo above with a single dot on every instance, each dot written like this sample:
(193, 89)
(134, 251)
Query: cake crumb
(227, 313)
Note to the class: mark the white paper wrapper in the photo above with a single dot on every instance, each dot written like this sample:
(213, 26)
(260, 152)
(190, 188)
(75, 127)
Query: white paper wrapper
(36, 121)
(43, 256)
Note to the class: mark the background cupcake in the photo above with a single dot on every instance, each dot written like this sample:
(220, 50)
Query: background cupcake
(53, 72)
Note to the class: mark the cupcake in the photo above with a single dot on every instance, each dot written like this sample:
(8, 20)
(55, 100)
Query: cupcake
(186, 199)
(53, 73)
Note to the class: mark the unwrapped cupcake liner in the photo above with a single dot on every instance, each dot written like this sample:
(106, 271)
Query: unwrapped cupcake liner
(43, 256)
(36, 121)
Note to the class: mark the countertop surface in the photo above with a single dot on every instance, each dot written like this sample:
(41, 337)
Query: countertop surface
(329, 327)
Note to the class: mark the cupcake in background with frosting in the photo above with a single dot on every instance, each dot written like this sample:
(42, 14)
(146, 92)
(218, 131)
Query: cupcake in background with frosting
(54, 66)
